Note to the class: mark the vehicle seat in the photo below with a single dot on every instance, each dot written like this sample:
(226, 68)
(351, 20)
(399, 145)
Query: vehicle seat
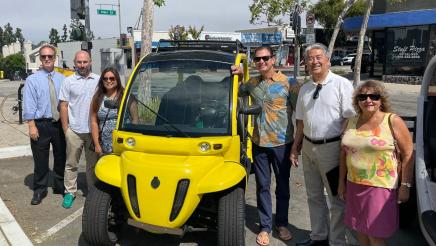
(430, 136)
(181, 104)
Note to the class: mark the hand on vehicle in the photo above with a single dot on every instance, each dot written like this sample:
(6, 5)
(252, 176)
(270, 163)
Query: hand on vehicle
(342, 190)
(403, 194)
(33, 133)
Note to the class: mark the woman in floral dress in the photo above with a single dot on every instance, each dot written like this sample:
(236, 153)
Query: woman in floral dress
(370, 181)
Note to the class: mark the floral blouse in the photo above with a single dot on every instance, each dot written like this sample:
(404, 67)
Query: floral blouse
(370, 155)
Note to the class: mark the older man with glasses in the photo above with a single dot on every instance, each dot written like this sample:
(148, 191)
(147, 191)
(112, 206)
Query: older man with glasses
(41, 113)
(323, 105)
(272, 138)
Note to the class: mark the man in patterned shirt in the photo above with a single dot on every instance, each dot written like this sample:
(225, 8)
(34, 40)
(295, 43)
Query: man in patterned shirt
(272, 140)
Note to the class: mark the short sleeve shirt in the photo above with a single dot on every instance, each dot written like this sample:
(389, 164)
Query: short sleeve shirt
(78, 92)
(273, 126)
(323, 117)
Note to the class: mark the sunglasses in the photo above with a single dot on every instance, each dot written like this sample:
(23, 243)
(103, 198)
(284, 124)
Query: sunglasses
(46, 56)
(316, 93)
(373, 97)
(264, 58)
(108, 78)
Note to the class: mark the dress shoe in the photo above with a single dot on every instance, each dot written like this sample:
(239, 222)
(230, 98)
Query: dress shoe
(38, 196)
(310, 242)
(58, 191)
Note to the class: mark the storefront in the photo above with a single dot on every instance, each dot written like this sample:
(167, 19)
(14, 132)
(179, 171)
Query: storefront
(402, 43)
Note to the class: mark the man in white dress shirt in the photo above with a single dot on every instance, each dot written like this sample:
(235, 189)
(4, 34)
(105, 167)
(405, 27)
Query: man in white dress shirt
(323, 104)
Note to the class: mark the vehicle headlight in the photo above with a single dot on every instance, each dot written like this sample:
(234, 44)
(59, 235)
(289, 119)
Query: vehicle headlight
(131, 142)
(204, 146)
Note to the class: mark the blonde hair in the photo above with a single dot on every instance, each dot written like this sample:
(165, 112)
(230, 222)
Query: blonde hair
(378, 88)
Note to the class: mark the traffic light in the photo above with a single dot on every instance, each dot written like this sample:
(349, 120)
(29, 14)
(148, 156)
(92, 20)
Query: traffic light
(78, 11)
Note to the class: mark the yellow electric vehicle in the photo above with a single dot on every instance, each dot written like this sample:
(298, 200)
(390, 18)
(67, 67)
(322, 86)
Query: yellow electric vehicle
(181, 157)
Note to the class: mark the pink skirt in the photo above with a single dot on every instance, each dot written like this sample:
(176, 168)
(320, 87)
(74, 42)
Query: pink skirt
(371, 210)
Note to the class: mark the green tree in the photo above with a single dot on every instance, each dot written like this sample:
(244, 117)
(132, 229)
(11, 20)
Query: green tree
(8, 35)
(273, 11)
(327, 11)
(195, 34)
(1, 41)
(19, 36)
(64, 36)
(13, 64)
(178, 33)
(77, 31)
(54, 37)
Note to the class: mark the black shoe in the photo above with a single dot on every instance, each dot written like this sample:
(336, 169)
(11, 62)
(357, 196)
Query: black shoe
(58, 191)
(310, 242)
(38, 196)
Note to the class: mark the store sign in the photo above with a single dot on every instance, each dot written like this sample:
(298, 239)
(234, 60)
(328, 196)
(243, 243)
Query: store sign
(263, 38)
(407, 52)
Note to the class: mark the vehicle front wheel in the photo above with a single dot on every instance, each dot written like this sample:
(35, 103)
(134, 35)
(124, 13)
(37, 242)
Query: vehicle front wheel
(231, 217)
(101, 220)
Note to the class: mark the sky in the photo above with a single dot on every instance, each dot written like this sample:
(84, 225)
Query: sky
(37, 17)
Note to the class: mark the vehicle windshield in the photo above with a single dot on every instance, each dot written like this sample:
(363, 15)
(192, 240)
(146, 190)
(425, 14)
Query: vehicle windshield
(181, 98)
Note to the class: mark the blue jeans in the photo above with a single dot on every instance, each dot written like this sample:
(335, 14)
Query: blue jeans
(278, 159)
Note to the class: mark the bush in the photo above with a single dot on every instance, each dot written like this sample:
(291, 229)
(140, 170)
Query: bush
(13, 65)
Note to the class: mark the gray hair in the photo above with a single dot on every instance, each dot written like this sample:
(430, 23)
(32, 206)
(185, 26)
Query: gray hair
(316, 46)
(47, 45)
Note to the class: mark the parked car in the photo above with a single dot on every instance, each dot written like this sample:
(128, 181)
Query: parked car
(183, 166)
(425, 155)
(336, 60)
(365, 65)
(348, 59)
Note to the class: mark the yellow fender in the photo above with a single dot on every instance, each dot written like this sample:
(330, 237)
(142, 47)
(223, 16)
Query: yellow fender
(222, 177)
(108, 170)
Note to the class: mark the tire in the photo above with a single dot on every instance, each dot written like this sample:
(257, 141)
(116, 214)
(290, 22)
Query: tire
(231, 218)
(100, 220)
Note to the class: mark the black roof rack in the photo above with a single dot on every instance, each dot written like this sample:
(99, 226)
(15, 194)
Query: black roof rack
(225, 46)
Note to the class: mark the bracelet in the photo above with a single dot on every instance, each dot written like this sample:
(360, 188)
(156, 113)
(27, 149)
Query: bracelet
(408, 185)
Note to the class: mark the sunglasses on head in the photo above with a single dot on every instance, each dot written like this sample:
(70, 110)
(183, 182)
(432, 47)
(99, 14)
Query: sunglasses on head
(47, 56)
(264, 58)
(373, 97)
(108, 78)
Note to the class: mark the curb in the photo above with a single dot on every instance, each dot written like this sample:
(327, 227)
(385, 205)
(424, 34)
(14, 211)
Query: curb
(15, 151)
(10, 231)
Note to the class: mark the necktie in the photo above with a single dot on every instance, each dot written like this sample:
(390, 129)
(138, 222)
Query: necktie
(53, 99)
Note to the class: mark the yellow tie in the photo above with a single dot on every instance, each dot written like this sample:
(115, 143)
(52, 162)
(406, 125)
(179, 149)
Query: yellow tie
(53, 99)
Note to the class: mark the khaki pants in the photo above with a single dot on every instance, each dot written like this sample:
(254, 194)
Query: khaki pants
(76, 142)
(318, 159)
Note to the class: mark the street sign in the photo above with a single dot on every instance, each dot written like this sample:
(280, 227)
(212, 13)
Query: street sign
(310, 19)
(310, 38)
(106, 12)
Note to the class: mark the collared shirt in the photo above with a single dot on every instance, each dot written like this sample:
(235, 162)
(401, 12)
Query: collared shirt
(36, 94)
(323, 117)
(78, 92)
(273, 126)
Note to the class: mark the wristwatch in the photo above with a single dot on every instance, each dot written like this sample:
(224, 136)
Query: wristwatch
(408, 185)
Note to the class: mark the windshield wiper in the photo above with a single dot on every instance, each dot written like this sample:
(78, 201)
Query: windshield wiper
(163, 118)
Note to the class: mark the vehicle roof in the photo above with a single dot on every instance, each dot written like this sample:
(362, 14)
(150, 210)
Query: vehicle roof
(206, 55)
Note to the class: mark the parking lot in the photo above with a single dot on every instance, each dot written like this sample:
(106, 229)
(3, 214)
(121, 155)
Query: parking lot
(50, 224)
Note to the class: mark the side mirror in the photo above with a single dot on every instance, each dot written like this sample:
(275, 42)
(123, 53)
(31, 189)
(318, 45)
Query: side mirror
(111, 104)
(251, 110)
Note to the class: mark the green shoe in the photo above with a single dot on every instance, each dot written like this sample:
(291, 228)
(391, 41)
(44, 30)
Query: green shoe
(68, 200)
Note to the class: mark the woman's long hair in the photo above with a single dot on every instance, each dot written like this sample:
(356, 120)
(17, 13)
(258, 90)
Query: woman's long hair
(97, 99)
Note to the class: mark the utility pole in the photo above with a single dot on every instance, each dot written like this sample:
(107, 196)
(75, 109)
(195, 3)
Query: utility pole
(119, 17)
(296, 25)
(87, 21)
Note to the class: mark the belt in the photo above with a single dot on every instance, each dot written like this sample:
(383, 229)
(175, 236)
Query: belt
(46, 120)
(323, 141)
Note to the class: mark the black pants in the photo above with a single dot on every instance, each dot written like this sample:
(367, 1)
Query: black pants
(49, 133)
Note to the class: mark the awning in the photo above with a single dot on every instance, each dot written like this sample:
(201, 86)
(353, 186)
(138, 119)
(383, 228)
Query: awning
(392, 19)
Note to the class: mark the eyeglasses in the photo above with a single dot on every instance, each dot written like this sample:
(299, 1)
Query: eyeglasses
(316, 93)
(264, 58)
(43, 57)
(313, 58)
(108, 78)
(373, 97)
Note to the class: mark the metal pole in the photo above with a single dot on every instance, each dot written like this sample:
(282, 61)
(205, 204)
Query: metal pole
(132, 31)
(119, 17)
(87, 21)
